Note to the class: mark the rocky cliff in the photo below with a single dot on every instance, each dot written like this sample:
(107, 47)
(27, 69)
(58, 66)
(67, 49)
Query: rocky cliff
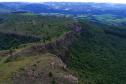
(59, 47)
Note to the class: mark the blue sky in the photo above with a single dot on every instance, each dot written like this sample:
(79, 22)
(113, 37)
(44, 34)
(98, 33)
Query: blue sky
(99, 1)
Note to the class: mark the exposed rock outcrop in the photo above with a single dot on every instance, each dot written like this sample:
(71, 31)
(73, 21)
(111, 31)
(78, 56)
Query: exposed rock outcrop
(58, 47)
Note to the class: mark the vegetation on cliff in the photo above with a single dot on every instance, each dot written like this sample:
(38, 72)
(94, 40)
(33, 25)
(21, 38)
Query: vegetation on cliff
(51, 37)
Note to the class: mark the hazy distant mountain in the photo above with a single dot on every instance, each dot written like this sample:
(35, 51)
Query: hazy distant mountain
(36, 8)
(66, 8)
(89, 8)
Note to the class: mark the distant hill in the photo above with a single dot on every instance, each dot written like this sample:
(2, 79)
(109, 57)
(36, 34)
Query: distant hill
(36, 8)
(67, 8)
(89, 8)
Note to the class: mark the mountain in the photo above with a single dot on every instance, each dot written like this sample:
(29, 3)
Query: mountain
(89, 8)
(25, 38)
(67, 8)
(36, 8)
(98, 55)
(52, 43)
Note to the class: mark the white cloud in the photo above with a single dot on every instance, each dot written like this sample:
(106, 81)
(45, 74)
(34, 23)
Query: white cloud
(99, 1)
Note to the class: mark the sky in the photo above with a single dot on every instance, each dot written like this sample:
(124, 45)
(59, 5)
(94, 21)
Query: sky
(98, 1)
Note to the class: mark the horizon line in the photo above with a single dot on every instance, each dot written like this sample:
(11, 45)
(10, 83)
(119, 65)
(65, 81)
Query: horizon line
(59, 2)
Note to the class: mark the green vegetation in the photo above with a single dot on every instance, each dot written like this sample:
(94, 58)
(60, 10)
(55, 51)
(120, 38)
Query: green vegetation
(16, 29)
(19, 31)
(98, 56)
(107, 19)
(40, 64)
(8, 41)
(38, 25)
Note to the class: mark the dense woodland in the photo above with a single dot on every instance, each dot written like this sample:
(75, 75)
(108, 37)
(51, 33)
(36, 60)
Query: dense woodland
(98, 55)
(27, 27)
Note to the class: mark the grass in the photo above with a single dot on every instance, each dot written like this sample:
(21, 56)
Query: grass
(42, 62)
(7, 69)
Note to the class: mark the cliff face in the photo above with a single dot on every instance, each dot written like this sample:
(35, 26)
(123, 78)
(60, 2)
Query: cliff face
(58, 47)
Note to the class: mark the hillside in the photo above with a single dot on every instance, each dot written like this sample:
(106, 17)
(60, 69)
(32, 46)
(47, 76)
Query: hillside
(57, 49)
(30, 28)
(98, 55)
(31, 45)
